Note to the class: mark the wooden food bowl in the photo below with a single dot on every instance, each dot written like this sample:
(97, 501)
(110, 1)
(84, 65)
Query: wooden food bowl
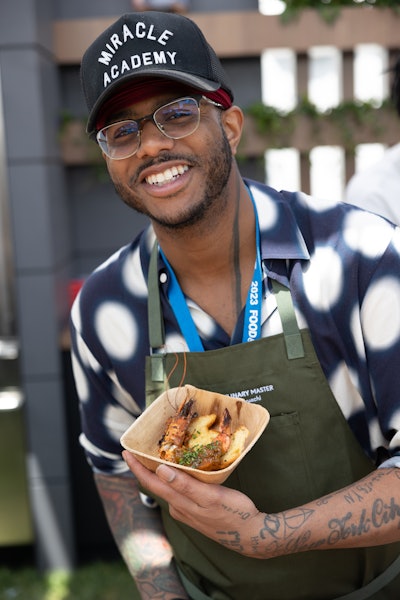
(142, 437)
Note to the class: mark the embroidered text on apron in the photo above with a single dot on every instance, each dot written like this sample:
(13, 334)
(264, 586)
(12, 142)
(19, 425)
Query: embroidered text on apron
(307, 451)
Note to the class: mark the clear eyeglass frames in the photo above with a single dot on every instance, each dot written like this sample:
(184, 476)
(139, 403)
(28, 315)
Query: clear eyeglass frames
(175, 120)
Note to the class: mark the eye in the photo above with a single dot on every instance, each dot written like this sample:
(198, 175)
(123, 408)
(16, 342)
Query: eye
(176, 112)
(122, 130)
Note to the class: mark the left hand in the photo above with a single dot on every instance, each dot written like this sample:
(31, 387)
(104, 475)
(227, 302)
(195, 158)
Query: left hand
(222, 514)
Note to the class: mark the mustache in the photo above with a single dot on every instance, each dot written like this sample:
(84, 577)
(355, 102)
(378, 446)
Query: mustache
(191, 160)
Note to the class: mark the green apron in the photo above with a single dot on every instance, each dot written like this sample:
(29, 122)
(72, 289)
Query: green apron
(307, 450)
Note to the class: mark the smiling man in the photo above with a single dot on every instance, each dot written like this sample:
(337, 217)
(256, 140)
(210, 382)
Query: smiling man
(275, 297)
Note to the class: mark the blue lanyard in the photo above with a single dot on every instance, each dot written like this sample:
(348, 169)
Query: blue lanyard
(252, 316)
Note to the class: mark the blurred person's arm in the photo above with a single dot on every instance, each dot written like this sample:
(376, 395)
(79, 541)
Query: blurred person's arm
(140, 537)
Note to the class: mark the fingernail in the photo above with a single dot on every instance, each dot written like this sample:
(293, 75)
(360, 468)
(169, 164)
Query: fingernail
(166, 473)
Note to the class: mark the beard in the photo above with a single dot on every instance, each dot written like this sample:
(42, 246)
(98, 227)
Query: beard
(217, 168)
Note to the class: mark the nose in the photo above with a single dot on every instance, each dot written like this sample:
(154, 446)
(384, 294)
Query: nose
(152, 141)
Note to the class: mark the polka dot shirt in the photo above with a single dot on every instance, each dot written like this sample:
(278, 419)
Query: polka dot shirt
(342, 265)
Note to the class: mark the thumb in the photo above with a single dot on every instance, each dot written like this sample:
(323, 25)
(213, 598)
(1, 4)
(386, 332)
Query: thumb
(166, 473)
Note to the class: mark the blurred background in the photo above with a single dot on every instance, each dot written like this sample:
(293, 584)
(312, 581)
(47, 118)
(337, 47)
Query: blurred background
(314, 80)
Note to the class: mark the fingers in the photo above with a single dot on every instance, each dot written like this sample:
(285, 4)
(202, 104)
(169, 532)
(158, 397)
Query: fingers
(170, 483)
(210, 509)
(146, 478)
(186, 485)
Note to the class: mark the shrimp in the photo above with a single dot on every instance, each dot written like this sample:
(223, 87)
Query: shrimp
(195, 441)
(176, 431)
(206, 446)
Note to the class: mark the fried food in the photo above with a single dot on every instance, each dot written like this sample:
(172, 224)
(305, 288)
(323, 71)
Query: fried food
(204, 442)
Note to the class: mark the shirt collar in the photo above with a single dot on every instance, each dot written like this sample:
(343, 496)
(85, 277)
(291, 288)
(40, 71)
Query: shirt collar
(280, 235)
(281, 238)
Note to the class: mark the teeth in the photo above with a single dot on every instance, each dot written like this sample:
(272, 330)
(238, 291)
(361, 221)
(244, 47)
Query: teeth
(167, 175)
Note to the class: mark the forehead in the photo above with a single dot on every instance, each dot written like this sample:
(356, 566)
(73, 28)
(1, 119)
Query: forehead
(135, 101)
(145, 107)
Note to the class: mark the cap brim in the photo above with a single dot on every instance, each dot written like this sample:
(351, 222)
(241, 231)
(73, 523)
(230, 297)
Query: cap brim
(199, 83)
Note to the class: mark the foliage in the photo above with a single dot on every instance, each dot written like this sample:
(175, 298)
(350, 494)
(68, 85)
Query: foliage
(345, 118)
(330, 9)
(99, 581)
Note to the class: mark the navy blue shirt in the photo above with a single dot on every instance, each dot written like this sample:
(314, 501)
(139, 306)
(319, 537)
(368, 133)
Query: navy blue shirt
(342, 265)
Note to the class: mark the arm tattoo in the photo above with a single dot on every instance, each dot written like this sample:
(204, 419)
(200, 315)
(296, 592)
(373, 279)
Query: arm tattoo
(144, 548)
(349, 526)
(282, 531)
(284, 525)
(288, 531)
(231, 540)
(363, 514)
(357, 493)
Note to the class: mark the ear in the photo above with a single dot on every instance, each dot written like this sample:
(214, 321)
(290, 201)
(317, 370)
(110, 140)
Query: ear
(232, 122)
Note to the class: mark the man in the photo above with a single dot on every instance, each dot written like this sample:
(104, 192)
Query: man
(378, 187)
(307, 514)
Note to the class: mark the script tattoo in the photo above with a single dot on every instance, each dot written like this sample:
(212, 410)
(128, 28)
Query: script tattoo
(382, 513)
(325, 499)
(236, 511)
(231, 540)
(357, 493)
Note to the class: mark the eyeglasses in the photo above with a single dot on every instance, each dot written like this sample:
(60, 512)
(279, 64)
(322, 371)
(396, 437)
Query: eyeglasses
(175, 120)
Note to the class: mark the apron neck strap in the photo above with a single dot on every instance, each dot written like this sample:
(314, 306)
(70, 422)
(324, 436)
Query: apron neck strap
(156, 323)
(291, 332)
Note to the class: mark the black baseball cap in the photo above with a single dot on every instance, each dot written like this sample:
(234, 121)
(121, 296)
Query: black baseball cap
(148, 45)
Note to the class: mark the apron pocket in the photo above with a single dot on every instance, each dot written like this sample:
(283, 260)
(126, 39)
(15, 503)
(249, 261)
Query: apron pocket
(281, 453)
